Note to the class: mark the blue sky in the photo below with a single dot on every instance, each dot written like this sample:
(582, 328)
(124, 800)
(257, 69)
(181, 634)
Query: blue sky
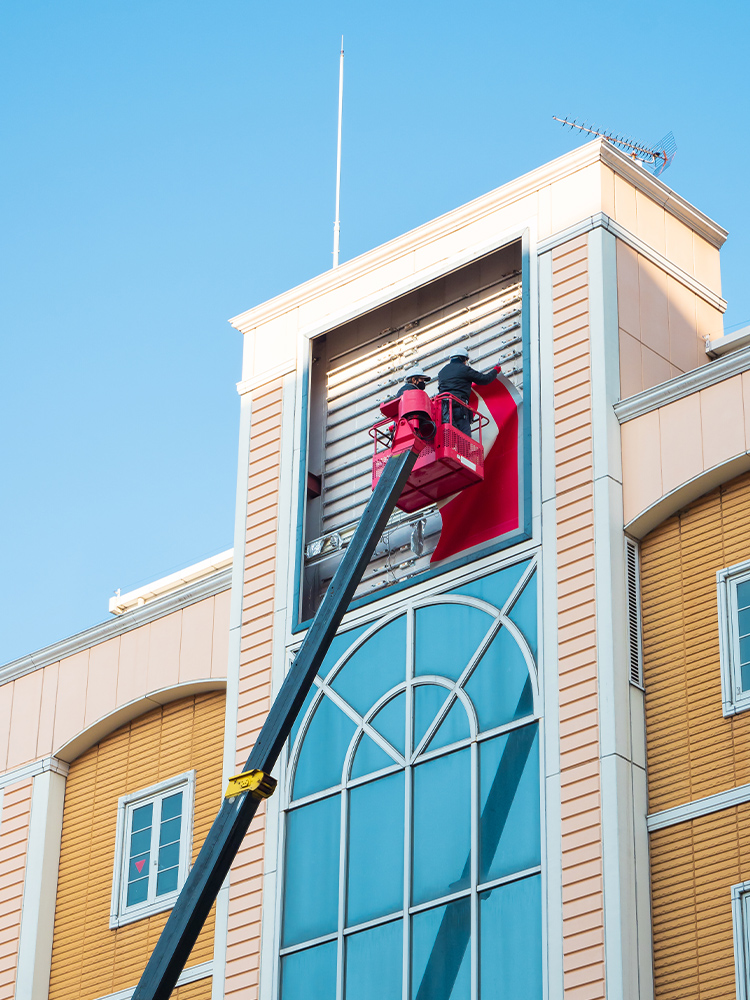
(166, 165)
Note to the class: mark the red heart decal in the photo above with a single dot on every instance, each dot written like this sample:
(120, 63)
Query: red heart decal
(139, 865)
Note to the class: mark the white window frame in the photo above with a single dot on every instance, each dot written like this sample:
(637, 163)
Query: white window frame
(733, 698)
(740, 927)
(120, 913)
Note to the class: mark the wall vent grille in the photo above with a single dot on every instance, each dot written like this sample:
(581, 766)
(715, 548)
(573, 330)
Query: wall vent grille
(632, 564)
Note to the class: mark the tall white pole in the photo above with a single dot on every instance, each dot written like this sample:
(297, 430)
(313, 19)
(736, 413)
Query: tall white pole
(337, 223)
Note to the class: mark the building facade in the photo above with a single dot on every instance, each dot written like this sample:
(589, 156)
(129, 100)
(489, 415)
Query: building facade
(520, 770)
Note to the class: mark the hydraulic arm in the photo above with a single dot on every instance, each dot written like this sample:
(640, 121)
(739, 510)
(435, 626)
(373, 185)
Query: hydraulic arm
(248, 789)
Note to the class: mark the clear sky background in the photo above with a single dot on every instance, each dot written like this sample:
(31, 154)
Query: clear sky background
(167, 164)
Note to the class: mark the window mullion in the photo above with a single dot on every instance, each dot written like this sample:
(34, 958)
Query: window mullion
(408, 799)
(475, 828)
(343, 855)
(154, 859)
(734, 631)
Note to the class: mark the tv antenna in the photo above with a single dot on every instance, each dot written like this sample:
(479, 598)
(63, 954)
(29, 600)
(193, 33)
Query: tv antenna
(657, 157)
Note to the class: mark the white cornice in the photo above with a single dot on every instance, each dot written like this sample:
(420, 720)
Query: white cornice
(156, 608)
(663, 195)
(700, 807)
(35, 767)
(480, 208)
(683, 385)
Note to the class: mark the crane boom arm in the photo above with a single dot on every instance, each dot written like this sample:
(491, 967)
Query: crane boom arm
(247, 791)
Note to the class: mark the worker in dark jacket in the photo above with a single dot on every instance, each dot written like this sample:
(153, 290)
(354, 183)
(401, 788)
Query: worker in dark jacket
(457, 378)
(414, 378)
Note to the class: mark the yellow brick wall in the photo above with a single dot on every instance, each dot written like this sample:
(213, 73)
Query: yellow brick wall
(88, 959)
(693, 751)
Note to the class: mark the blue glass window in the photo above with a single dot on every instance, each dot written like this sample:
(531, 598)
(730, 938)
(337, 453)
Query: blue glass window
(369, 757)
(375, 668)
(309, 973)
(376, 849)
(390, 872)
(311, 900)
(500, 686)
(390, 722)
(447, 637)
(510, 917)
(428, 700)
(509, 827)
(442, 836)
(374, 962)
(323, 749)
(441, 960)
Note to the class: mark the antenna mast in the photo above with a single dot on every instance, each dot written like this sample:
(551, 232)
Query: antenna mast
(658, 156)
(337, 222)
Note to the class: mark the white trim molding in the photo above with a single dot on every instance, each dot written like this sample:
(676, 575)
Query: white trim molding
(683, 385)
(30, 770)
(190, 975)
(699, 807)
(734, 698)
(120, 913)
(685, 493)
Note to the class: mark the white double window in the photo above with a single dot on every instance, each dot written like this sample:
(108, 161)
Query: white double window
(734, 636)
(153, 848)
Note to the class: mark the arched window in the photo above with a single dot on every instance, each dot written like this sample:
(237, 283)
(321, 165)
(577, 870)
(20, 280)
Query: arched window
(412, 814)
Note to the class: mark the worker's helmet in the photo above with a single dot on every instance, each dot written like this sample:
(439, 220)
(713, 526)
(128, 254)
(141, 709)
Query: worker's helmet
(417, 371)
(459, 352)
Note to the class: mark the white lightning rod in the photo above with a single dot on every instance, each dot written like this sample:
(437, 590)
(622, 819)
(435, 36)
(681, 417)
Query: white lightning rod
(337, 223)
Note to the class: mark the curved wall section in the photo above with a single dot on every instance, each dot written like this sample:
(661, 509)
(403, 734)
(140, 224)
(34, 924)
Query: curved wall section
(54, 706)
(674, 453)
(89, 958)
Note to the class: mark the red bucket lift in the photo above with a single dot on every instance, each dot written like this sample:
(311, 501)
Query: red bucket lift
(449, 460)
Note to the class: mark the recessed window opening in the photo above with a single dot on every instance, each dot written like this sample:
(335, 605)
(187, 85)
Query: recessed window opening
(357, 366)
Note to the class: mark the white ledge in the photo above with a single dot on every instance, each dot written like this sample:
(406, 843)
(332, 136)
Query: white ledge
(121, 603)
(157, 608)
(700, 807)
(728, 343)
(682, 385)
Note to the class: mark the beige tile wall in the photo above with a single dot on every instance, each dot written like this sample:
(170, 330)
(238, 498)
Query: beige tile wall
(46, 708)
(662, 322)
(671, 445)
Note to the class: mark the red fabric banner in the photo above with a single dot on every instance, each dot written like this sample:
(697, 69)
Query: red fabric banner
(488, 510)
